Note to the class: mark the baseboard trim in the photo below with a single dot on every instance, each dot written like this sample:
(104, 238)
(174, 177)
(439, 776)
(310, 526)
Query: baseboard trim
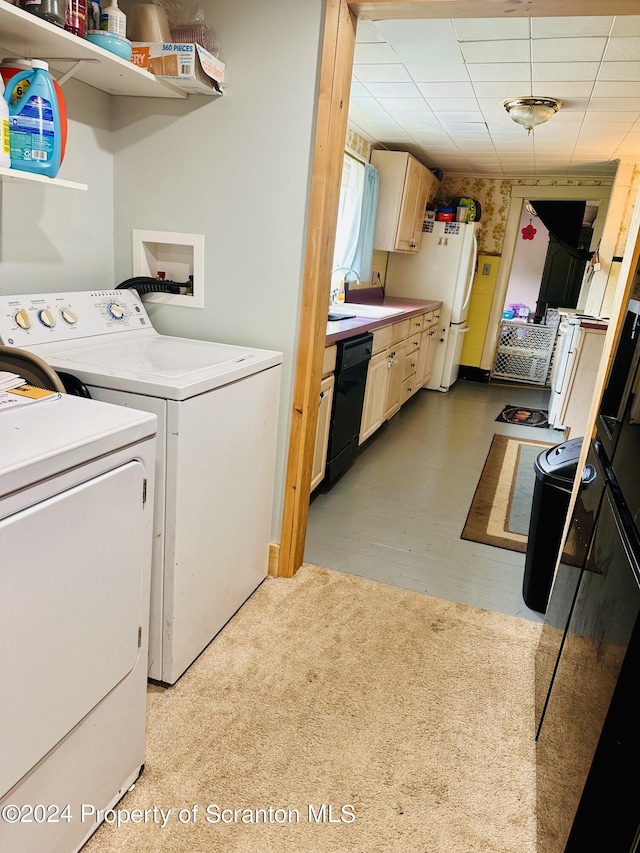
(274, 557)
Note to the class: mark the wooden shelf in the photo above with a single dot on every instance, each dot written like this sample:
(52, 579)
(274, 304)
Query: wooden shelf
(24, 34)
(16, 176)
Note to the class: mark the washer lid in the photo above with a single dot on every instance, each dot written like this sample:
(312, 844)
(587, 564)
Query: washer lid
(161, 366)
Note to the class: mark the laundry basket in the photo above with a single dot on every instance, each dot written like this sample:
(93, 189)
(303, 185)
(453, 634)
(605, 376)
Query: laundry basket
(524, 352)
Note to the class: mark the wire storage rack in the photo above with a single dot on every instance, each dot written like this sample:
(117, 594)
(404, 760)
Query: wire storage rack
(524, 352)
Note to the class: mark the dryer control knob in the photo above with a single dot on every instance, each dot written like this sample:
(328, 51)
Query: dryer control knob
(116, 311)
(47, 318)
(23, 319)
(69, 316)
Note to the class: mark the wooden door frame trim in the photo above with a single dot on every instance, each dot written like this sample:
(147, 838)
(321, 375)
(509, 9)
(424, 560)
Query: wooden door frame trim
(338, 48)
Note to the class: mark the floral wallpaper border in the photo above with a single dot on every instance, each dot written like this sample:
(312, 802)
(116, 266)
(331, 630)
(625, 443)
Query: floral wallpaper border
(494, 195)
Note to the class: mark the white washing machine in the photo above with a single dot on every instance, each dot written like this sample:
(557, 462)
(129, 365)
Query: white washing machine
(217, 408)
(76, 490)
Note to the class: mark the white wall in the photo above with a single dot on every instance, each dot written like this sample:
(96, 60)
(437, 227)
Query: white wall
(528, 264)
(235, 169)
(61, 239)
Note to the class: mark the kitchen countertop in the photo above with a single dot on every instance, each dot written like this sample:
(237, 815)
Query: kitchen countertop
(338, 330)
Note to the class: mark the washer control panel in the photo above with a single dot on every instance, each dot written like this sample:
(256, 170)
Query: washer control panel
(30, 319)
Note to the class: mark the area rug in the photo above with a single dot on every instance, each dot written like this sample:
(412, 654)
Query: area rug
(337, 714)
(522, 416)
(501, 507)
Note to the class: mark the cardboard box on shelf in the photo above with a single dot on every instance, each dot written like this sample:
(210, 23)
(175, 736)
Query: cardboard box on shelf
(188, 66)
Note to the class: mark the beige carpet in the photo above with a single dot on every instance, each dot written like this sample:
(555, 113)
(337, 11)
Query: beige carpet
(415, 712)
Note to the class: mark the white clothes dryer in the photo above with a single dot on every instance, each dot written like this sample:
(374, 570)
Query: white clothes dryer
(217, 408)
(76, 490)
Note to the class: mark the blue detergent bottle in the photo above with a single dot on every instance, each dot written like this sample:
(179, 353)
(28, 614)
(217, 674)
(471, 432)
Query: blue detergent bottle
(34, 121)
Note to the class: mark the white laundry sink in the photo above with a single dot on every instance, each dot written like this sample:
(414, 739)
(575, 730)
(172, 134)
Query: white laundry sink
(374, 312)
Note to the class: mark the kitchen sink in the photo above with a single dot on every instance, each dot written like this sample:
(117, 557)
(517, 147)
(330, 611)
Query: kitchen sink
(374, 312)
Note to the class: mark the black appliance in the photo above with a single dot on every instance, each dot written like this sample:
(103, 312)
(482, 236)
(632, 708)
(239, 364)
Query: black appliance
(352, 363)
(555, 471)
(587, 664)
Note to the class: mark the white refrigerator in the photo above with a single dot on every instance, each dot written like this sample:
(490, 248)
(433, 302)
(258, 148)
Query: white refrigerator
(443, 269)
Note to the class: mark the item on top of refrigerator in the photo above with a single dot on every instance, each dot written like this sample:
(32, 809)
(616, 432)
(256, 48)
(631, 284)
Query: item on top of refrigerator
(519, 309)
(36, 127)
(445, 214)
(49, 10)
(472, 205)
(9, 67)
(113, 20)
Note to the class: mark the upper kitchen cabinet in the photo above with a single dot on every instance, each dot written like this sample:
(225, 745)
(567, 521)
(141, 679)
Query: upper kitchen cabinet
(24, 34)
(405, 188)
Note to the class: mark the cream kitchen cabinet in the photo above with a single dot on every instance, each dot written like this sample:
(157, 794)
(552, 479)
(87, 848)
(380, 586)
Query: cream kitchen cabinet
(375, 395)
(395, 367)
(428, 340)
(324, 416)
(402, 198)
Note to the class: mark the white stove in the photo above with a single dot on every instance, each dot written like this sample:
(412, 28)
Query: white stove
(216, 406)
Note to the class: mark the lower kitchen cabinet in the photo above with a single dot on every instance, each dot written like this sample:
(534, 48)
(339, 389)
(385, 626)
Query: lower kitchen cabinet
(375, 396)
(394, 383)
(324, 417)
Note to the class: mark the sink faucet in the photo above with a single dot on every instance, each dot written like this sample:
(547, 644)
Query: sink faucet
(334, 291)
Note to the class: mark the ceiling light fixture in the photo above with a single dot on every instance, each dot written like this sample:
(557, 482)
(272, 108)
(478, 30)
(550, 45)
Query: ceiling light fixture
(531, 112)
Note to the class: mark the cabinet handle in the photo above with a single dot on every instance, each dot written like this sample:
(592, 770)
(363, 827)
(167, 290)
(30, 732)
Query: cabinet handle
(416, 343)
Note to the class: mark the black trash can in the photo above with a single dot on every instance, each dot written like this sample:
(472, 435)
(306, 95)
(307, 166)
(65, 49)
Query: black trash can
(555, 470)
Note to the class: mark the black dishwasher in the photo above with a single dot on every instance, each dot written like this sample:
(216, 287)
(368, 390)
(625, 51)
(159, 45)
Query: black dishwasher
(352, 362)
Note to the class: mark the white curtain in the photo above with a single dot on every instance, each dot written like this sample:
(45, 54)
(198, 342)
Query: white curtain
(349, 213)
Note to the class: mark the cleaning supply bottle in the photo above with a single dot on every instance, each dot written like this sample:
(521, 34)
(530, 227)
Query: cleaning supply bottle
(36, 133)
(5, 148)
(9, 67)
(113, 19)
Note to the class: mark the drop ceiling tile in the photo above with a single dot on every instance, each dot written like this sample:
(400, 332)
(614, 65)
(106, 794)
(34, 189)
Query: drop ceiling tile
(615, 104)
(491, 29)
(574, 105)
(466, 105)
(568, 50)
(382, 73)
(499, 71)
(597, 120)
(622, 49)
(502, 91)
(618, 89)
(358, 90)
(412, 31)
(405, 105)
(626, 25)
(412, 122)
(570, 27)
(549, 71)
(373, 54)
(495, 51)
(454, 117)
(369, 106)
(619, 71)
(454, 128)
(446, 90)
(393, 90)
(367, 32)
(443, 72)
(564, 89)
(435, 51)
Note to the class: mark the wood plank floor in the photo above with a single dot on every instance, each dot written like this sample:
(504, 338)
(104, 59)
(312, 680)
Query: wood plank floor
(396, 515)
